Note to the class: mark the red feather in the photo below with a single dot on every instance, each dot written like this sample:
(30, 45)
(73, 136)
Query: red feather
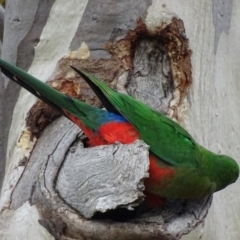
(155, 171)
(111, 132)
(87, 131)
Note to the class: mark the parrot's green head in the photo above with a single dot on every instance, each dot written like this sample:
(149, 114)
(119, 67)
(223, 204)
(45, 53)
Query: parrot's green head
(227, 171)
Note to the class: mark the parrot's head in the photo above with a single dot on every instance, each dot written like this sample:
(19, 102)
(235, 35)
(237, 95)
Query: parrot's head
(227, 171)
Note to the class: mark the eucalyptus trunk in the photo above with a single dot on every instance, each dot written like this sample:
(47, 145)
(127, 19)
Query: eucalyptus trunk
(177, 56)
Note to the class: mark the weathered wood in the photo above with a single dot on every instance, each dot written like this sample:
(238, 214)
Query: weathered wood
(61, 136)
(104, 177)
(152, 62)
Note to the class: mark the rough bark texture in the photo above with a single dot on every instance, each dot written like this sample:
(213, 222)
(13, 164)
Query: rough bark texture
(149, 58)
(2, 107)
(106, 177)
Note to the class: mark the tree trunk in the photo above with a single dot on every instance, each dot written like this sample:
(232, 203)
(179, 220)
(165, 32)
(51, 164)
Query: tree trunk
(168, 54)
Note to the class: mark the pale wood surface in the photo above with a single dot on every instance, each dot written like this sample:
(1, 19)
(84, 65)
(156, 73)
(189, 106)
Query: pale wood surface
(210, 112)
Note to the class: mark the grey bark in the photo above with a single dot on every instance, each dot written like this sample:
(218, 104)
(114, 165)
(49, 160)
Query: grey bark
(2, 108)
(2, 12)
(2, 140)
(106, 177)
(132, 68)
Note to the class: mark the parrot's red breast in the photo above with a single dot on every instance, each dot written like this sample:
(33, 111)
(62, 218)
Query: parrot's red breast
(108, 133)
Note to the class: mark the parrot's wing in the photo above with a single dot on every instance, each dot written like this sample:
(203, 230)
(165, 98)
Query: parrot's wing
(90, 116)
(105, 101)
(167, 139)
(24, 80)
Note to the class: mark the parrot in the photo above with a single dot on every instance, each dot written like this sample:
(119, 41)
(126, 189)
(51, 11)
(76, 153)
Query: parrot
(179, 167)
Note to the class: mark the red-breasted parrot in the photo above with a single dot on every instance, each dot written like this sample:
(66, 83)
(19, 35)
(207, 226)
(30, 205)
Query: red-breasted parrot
(179, 167)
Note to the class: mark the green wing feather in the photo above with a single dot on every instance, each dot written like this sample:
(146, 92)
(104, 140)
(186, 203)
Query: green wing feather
(167, 139)
(86, 113)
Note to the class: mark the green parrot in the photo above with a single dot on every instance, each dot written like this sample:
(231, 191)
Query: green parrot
(179, 168)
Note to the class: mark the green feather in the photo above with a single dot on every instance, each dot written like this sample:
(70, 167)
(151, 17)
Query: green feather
(87, 113)
(166, 138)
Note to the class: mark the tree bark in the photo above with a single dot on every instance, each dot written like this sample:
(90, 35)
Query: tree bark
(169, 55)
